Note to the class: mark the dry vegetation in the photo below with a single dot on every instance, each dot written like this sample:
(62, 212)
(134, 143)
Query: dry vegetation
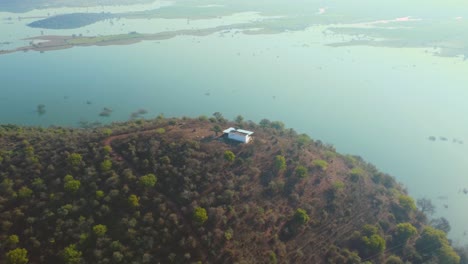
(170, 191)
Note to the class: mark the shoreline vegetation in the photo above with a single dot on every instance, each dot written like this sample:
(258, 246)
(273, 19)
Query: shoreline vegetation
(174, 189)
(56, 42)
(70, 21)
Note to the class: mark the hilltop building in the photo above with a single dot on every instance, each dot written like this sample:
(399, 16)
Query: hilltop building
(240, 135)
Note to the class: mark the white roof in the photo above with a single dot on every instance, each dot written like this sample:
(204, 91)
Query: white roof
(229, 130)
(232, 129)
(245, 131)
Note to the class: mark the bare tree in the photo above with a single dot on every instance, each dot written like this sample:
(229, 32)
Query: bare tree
(441, 224)
(426, 206)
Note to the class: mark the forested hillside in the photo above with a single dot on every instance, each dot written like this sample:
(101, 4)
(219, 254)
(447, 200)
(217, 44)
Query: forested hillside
(175, 191)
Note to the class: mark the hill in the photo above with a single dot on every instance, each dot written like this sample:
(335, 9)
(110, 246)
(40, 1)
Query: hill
(175, 191)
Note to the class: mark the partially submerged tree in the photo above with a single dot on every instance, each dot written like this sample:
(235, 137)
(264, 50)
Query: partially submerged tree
(426, 206)
(441, 223)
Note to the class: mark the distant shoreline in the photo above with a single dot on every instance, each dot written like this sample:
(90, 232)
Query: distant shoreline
(56, 42)
(43, 4)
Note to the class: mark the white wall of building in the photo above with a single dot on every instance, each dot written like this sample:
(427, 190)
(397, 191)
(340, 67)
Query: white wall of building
(241, 138)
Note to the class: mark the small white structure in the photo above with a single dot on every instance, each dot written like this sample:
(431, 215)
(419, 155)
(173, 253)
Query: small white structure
(241, 135)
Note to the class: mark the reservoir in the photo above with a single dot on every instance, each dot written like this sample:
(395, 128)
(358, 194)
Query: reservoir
(379, 102)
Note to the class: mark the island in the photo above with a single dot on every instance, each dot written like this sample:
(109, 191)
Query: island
(69, 21)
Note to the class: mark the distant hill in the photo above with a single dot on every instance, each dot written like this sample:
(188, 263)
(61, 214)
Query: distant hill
(20, 6)
(175, 191)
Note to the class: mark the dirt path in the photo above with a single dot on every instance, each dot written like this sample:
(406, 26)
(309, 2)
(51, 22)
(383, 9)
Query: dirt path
(108, 141)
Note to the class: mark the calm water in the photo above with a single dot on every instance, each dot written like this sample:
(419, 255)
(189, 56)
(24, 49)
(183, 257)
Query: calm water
(377, 102)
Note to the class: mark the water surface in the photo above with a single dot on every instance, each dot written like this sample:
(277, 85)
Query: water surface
(381, 102)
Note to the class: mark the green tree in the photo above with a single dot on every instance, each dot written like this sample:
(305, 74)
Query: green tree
(431, 239)
(404, 231)
(394, 260)
(199, 215)
(239, 119)
(160, 130)
(99, 230)
(219, 117)
(148, 180)
(106, 165)
(99, 194)
(369, 230)
(24, 192)
(72, 185)
(280, 163)
(338, 185)
(229, 156)
(107, 149)
(301, 216)
(12, 240)
(6, 186)
(303, 139)
(228, 234)
(301, 171)
(38, 184)
(320, 164)
(375, 244)
(17, 256)
(117, 257)
(273, 258)
(134, 200)
(203, 118)
(107, 132)
(65, 209)
(265, 123)
(278, 125)
(356, 173)
(67, 178)
(71, 255)
(447, 255)
(371, 243)
(217, 129)
(74, 159)
(433, 243)
(407, 202)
